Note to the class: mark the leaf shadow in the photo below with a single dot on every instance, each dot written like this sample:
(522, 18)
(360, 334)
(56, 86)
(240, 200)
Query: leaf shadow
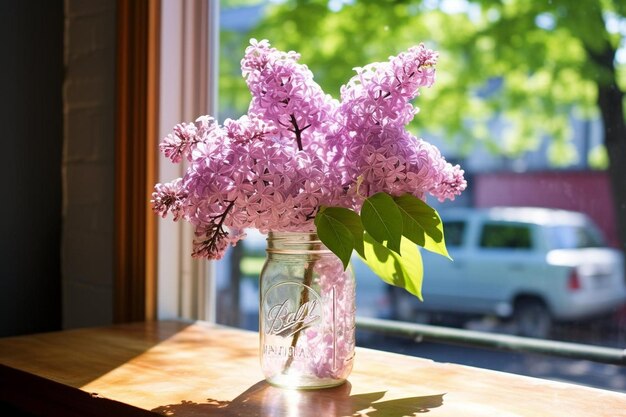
(263, 399)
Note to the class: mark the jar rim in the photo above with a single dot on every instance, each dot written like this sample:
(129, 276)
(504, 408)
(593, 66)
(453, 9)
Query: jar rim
(312, 235)
(295, 242)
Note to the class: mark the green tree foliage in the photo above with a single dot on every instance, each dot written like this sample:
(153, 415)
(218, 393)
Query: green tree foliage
(528, 64)
(524, 61)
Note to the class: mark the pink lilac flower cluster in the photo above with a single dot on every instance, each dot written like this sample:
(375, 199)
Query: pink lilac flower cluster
(298, 149)
(373, 142)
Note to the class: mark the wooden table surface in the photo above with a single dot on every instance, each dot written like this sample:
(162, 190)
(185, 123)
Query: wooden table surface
(176, 368)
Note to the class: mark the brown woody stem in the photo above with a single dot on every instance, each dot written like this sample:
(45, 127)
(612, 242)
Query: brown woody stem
(297, 131)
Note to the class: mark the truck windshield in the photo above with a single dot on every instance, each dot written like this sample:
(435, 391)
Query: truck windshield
(573, 237)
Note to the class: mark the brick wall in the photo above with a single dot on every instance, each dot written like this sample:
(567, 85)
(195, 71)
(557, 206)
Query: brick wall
(88, 162)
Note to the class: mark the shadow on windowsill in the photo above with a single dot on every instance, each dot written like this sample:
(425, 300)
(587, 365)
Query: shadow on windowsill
(262, 399)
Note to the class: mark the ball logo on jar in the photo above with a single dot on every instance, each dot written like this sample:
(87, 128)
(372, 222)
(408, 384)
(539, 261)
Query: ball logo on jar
(290, 307)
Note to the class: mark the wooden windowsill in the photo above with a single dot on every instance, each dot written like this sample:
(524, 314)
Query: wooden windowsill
(177, 368)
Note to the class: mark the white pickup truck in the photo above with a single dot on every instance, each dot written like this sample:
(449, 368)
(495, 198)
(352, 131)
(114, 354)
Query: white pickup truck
(533, 266)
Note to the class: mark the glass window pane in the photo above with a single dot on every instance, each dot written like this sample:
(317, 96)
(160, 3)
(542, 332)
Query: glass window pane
(573, 237)
(522, 119)
(454, 233)
(505, 236)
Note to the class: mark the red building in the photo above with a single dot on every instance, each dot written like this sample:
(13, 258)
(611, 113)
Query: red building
(585, 191)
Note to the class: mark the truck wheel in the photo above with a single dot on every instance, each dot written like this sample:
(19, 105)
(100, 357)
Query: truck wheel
(532, 319)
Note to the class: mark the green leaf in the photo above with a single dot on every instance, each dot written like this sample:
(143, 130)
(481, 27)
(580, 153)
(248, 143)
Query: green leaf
(337, 237)
(382, 220)
(406, 271)
(351, 220)
(422, 224)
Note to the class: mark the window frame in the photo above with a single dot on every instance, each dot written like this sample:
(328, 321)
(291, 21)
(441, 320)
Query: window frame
(187, 89)
(192, 294)
(137, 111)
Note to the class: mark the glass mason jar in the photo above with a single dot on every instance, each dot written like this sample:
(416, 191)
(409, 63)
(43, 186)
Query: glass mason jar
(306, 317)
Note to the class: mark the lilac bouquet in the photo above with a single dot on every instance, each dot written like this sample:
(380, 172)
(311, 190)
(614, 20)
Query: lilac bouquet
(303, 161)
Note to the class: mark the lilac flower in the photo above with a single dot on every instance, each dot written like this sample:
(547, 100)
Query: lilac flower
(247, 129)
(284, 93)
(298, 149)
(179, 144)
(333, 341)
(169, 197)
